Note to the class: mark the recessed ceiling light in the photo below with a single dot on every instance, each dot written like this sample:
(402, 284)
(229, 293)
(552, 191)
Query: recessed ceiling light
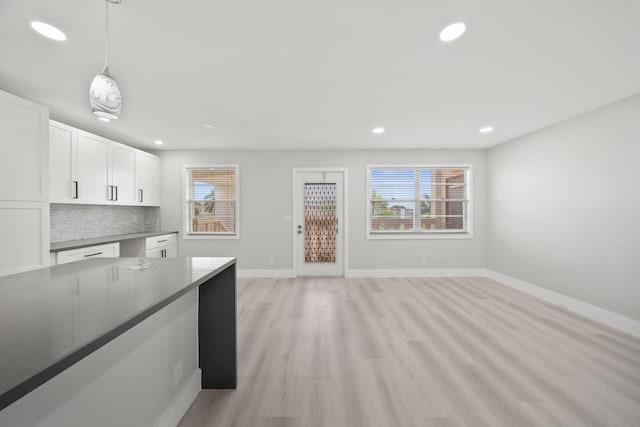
(104, 119)
(486, 129)
(48, 31)
(209, 126)
(157, 141)
(378, 131)
(453, 31)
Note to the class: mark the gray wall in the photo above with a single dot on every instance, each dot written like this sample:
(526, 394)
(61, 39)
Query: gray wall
(71, 222)
(266, 196)
(564, 209)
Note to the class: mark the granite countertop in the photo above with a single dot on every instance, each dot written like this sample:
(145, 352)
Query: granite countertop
(53, 317)
(83, 243)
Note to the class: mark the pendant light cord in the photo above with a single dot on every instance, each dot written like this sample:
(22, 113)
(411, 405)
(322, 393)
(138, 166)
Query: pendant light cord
(106, 37)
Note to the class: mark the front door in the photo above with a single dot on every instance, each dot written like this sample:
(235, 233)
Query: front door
(318, 199)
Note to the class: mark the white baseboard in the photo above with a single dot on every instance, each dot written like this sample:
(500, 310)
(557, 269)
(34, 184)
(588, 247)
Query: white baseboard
(418, 272)
(392, 272)
(268, 273)
(617, 321)
(174, 413)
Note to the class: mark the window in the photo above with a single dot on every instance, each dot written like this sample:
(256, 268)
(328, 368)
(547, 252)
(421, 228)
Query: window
(211, 201)
(418, 201)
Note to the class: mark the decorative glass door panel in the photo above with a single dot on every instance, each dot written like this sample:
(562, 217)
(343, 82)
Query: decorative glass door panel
(320, 222)
(318, 226)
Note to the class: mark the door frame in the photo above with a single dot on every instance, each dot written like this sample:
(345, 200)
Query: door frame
(296, 198)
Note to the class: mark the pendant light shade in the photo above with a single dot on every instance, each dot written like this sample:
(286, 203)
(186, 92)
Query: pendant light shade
(104, 94)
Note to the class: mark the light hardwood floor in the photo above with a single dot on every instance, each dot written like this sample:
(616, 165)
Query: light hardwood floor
(419, 352)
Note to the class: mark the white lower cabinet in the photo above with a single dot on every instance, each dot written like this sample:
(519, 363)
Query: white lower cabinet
(110, 250)
(165, 252)
(163, 246)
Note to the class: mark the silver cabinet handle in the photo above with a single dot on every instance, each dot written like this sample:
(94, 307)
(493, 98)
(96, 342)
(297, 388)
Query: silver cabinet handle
(140, 195)
(160, 241)
(75, 185)
(89, 255)
(116, 187)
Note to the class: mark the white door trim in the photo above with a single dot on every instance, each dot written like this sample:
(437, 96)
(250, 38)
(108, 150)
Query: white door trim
(345, 226)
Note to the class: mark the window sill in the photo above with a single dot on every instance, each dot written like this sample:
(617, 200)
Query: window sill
(421, 236)
(187, 236)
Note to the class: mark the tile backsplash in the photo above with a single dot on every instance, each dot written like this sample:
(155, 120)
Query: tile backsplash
(71, 222)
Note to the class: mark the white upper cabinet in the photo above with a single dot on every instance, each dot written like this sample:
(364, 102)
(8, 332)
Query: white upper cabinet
(148, 178)
(94, 164)
(24, 162)
(123, 174)
(90, 169)
(63, 159)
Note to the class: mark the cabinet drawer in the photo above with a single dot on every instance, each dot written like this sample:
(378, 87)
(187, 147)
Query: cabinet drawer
(159, 241)
(111, 250)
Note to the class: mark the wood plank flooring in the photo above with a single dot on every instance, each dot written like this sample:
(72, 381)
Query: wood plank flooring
(419, 352)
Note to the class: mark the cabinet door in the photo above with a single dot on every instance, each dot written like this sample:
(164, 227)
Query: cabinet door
(24, 231)
(24, 163)
(93, 168)
(148, 179)
(63, 158)
(170, 251)
(123, 174)
(155, 253)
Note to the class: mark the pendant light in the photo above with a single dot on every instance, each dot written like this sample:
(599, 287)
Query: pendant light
(104, 94)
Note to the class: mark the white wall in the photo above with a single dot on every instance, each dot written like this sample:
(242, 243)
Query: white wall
(266, 197)
(564, 208)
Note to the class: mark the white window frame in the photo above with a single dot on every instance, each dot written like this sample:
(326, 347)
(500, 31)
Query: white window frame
(185, 197)
(430, 234)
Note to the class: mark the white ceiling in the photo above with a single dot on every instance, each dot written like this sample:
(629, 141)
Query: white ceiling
(296, 74)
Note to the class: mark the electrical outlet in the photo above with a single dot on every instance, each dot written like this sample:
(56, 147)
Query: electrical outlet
(177, 372)
(271, 261)
(423, 261)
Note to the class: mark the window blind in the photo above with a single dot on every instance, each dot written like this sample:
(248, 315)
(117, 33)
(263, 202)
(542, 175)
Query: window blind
(418, 200)
(212, 200)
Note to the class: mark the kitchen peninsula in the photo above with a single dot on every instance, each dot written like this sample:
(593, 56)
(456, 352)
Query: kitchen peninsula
(81, 341)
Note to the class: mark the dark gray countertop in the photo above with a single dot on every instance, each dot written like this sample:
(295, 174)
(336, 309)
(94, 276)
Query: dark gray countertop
(53, 317)
(83, 243)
